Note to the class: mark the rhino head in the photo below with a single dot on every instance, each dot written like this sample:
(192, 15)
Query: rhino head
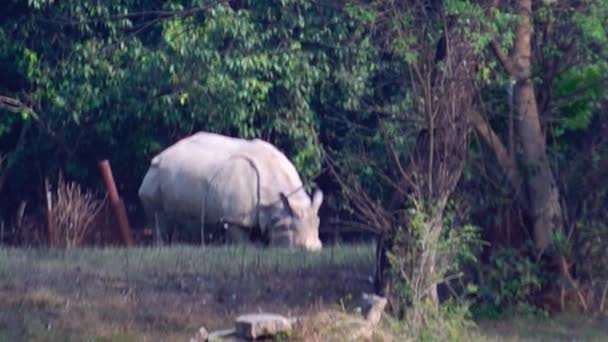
(296, 226)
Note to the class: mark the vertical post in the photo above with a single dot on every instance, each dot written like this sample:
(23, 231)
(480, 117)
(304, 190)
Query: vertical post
(116, 202)
(49, 212)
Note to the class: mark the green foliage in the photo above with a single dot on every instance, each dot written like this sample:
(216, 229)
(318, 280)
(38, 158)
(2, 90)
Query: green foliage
(124, 79)
(591, 22)
(590, 254)
(451, 322)
(120, 81)
(420, 243)
(461, 241)
(582, 89)
(468, 14)
(507, 283)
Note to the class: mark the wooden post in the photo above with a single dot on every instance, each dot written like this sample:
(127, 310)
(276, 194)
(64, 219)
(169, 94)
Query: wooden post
(116, 202)
(49, 212)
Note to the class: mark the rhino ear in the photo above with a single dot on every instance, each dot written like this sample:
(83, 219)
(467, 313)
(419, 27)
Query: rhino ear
(286, 204)
(317, 199)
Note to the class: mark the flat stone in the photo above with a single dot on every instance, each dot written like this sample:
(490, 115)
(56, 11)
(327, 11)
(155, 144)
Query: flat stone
(227, 335)
(257, 325)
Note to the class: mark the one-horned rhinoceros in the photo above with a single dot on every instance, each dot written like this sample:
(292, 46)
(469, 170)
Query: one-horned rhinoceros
(212, 180)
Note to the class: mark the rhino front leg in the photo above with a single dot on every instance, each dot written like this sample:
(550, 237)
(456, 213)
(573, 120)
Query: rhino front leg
(236, 234)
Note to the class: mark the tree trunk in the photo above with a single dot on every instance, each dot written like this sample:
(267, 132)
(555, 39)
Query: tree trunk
(542, 190)
(434, 169)
(383, 282)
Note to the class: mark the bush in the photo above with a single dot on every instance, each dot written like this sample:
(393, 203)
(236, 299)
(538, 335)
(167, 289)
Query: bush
(591, 259)
(506, 283)
(72, 214)
(426, 254)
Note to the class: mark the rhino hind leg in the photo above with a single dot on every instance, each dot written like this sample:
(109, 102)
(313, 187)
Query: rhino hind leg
(162, 228)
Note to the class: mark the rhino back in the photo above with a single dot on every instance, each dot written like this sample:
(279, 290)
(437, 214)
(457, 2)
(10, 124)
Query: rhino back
(277, 174)
(205, 163)
(184, 167)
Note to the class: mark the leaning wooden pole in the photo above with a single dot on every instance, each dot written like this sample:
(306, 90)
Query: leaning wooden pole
(116, 202)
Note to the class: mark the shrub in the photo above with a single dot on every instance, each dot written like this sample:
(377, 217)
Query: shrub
(591, 259)
(72, 214)
(426, 254)
(507, 282)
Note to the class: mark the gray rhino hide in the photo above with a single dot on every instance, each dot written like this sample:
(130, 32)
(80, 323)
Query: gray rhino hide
(213, 178)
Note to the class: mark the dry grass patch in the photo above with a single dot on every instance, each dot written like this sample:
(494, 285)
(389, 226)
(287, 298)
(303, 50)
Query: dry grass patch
(45, 298)
(336, 325)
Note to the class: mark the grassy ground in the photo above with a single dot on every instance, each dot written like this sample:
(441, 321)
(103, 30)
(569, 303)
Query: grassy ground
(166, 294)
(149, 294)
(563, 327)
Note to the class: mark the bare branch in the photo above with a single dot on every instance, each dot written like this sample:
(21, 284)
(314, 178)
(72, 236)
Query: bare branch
(16, 106)
(395, 157)
(490, 137)
(367, 208)
(507, 63)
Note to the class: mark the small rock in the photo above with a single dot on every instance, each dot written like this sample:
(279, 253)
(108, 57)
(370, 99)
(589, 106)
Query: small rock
(200, 336)
(256, 325)
(224, 335)
(373, 306)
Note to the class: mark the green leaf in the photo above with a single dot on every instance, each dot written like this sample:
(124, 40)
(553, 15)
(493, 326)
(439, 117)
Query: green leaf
(25, 114)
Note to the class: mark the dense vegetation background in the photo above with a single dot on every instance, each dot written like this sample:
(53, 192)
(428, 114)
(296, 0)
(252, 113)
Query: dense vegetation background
(456, 121)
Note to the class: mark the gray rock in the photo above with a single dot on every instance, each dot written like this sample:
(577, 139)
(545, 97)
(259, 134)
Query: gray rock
(372, 307)
(200, 336)
(257, 325)
(227, 335)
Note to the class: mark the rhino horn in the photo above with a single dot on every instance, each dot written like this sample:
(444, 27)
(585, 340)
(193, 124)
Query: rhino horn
(317, 199)
(286, 204)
